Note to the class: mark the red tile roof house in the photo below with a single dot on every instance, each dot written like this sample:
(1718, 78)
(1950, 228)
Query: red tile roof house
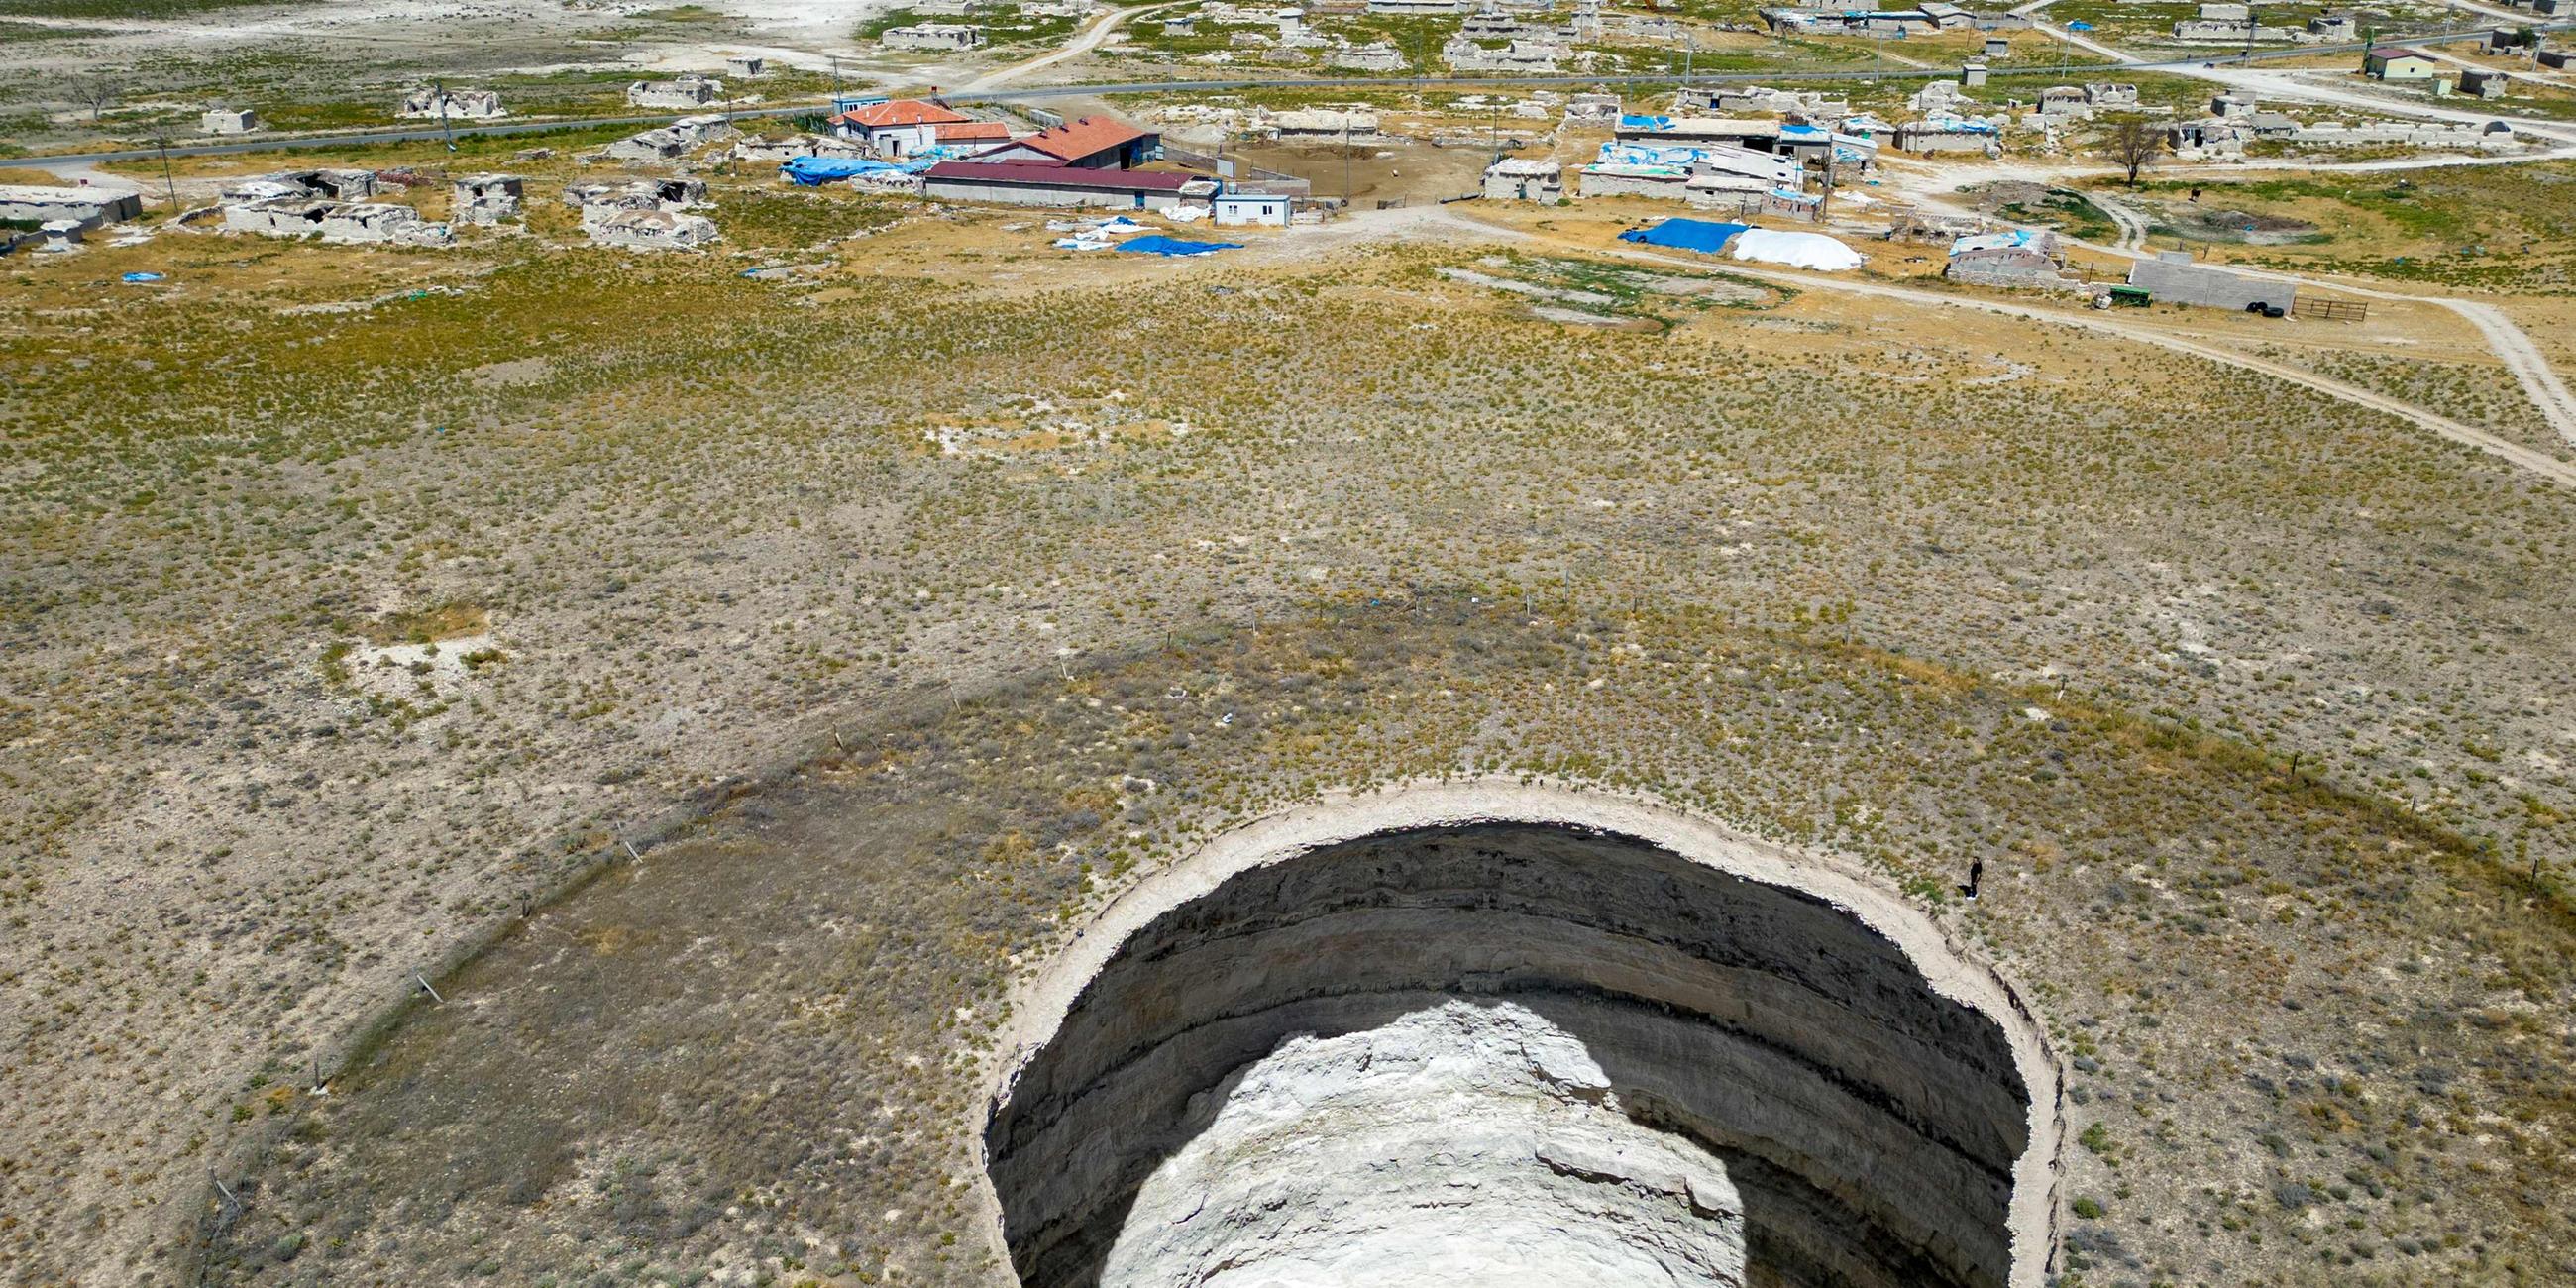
(898, 127)
(1090, 142)
(1052, 183)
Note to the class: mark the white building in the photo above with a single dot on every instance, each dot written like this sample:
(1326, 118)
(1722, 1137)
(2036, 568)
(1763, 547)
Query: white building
(1248, 209)
(1514, 179)
(228, 120)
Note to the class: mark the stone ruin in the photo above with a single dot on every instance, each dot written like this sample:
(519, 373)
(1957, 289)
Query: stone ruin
(488, 199)
(433, 104)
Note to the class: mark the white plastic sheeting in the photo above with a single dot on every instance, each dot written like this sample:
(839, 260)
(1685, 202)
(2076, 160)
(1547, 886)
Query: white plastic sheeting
(1796, 250)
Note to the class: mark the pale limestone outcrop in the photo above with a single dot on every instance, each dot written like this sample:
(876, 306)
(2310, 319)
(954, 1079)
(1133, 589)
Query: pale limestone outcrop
(1875, 1121)
(1461, 1143)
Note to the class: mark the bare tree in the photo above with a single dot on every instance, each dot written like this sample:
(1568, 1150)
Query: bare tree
(2135, 144)
(97, 92)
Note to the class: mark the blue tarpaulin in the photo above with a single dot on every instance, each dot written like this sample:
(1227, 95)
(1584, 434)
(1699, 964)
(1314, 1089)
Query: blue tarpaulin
(814, 172)
(1700, 235)
(1159, 245)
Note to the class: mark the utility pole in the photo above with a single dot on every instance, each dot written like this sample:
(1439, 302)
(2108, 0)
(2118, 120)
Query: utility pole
(1346, 161)
(2253, 20)
(440, 89)
(168, 182)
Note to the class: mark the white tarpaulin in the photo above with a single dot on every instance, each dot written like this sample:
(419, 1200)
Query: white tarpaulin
(1797, 250)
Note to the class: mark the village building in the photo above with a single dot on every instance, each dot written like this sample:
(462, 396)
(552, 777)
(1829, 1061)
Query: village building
(970, 136)
(944, 36)
(2397, 63)
(89, 207)
(646, 229)
(1635, 179)
(2483, 83)
(1515, 179)
(746, 67)
(1947, 134)
(228, 120)
(1086, 142)
(1996, 47)
(1417, 8)
(2020, 258)
(1252, 209)
(2334, 26)
(1972, 75)
(487, 199)
(2555, 59)
(897, 127)
(1699, 131)
(1026, 183)
(62, 236)
(2110, 94)
(690, 90)
(434, 104)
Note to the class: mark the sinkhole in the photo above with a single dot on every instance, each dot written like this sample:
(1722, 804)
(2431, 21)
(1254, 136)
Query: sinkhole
(1519, 1037)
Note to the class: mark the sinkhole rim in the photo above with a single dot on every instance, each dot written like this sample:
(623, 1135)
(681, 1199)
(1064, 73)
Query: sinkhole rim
(1040, 1004)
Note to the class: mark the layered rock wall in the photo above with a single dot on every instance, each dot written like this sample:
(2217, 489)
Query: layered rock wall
(1872, 1124)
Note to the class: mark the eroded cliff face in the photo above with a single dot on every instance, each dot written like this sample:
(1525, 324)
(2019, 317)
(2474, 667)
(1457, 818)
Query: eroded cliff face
(1460, 1144)
(1869, 1125)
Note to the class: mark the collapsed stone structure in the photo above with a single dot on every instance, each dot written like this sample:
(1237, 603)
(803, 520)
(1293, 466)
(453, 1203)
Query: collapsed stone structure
(487, 199)
(1794, 1069)
(646, 229)
(690, 90)
(636, 194)
(434, 104)
(353, 222)
(933, 35)
(89, 207)
(2017, 258)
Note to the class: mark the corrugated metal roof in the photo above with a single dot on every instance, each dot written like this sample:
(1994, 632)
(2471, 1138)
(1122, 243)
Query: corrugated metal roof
(1082, 137)
(1043, 174)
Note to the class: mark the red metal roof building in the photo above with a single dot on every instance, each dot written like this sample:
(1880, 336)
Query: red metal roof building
(1090, 142)
(972, 133)
(1052, 183)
